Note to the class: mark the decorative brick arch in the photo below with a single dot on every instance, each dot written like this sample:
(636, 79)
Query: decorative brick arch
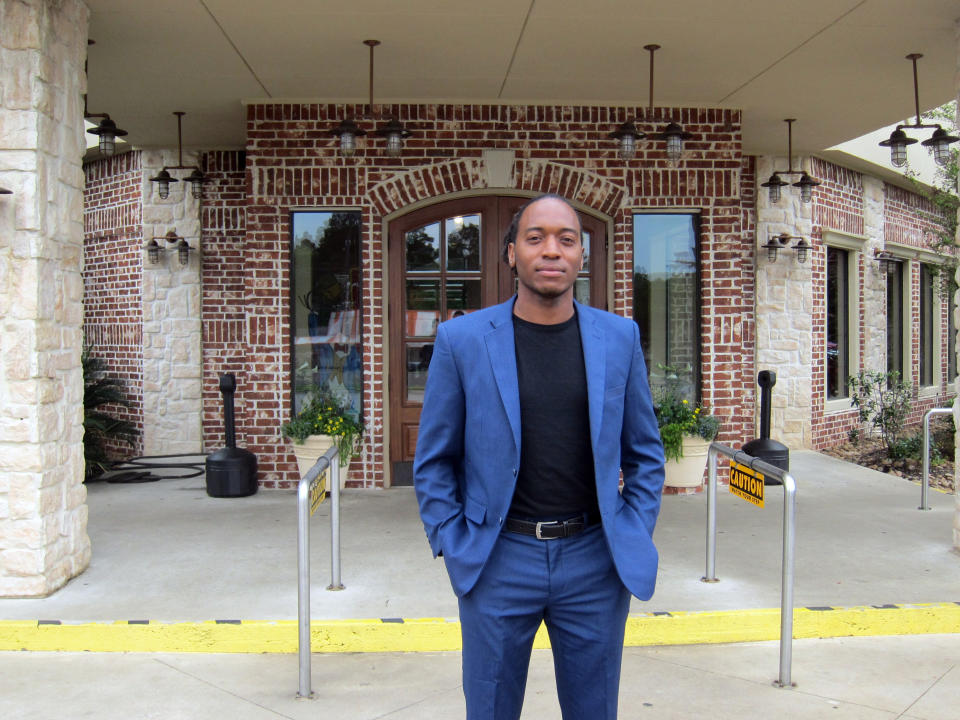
(536, 176)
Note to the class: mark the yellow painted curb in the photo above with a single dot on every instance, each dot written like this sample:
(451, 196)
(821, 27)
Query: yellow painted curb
(440, 634)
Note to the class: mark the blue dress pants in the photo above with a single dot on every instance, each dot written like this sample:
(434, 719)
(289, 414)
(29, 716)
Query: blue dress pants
(571, 585)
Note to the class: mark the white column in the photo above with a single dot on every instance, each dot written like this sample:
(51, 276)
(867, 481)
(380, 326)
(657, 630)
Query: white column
(43, 512)
(785, 312)
(956, 318)
(172, 329)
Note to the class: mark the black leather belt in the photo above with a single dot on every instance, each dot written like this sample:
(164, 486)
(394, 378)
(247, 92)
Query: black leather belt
(551, 529)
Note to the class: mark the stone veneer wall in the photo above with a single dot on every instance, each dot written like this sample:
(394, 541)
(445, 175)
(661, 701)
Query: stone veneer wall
(43, 512)
(113, 278)
(172, 356)
(784, 312)
(292, 162)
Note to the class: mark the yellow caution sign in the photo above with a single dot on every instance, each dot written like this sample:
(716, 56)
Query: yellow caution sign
(746, 483)
(318, 491)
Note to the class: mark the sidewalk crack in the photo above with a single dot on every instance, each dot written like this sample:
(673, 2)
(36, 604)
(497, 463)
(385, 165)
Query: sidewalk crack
(223, 690)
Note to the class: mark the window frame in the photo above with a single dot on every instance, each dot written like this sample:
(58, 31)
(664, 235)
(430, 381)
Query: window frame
(291, 213)
(696, 214)
(854, 247)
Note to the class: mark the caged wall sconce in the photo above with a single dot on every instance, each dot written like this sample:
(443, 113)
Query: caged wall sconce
(781, 241)
(348, 131)
(628, 133)
(938, 144)
(806, 183)
(178, 243)
(164, 178)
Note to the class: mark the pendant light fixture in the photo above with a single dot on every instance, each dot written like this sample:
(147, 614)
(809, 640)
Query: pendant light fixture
(4, 191)
(806, 183)
(106, 130)
(628, 133)
(393, 130)
(164, 178)
(938, 144)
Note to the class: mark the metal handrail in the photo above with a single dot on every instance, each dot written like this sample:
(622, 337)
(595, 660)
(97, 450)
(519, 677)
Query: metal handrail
(329, 459)
(789, 541)
(925, 484)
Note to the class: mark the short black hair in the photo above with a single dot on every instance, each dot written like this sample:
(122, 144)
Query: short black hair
(511, 234)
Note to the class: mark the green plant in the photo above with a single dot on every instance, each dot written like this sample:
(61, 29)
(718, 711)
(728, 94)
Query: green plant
(99, 427)
(327, 412)
(677, 417)
(853, 435)
(883, 400)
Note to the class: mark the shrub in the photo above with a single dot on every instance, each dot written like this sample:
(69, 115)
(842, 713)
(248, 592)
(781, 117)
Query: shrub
(883, 401)
(99, 427)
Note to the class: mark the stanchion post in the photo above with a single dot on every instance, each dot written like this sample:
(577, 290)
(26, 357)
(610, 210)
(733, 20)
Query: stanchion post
(303, 589)
(711, 571)
(335, 583)
(786, 582)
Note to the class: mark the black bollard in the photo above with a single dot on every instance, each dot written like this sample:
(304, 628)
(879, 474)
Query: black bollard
(771, 451)
(232, 471)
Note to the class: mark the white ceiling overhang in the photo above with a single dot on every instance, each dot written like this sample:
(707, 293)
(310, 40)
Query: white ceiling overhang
(836, 65)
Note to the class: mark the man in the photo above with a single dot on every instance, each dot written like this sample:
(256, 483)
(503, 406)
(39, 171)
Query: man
(531, 410)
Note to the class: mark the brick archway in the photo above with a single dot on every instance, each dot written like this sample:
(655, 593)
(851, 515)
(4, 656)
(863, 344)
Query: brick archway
(404, 189)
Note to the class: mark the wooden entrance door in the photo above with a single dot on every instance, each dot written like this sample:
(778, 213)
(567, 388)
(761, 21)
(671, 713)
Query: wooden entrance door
(445, 260)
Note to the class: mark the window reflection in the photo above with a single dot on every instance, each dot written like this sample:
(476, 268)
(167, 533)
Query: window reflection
(666, 297)
(326, 314)
(423, 248)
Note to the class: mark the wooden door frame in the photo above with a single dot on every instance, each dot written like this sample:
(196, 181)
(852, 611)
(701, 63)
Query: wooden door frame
(590, 214)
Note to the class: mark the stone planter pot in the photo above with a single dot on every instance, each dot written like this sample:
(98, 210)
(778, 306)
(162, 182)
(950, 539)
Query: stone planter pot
(688, 471)
(313, 448)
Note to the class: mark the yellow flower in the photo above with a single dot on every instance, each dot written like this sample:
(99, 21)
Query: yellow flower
(686, 402)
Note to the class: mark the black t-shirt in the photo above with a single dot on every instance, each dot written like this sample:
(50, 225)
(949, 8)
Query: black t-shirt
(556, 478)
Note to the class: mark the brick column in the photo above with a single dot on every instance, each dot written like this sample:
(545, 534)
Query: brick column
(43, 515)
(784, 312)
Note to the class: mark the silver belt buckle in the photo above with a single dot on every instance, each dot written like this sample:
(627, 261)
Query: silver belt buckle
(541, 524)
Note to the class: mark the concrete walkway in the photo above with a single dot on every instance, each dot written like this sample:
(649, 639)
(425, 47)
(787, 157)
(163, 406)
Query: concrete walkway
(868, 562)
(911, 677)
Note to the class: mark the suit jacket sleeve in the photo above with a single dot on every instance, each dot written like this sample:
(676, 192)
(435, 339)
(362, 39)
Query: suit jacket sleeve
(641, 452)
(437, 465)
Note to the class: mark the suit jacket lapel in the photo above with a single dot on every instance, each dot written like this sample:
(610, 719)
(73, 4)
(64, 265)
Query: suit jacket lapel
(594, 361)
(502, 353)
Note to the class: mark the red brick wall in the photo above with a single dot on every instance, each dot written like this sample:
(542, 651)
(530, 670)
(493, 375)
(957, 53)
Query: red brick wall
(911, 219)
(112, 277)
(292, 163)
(838, 204)
(223, 228)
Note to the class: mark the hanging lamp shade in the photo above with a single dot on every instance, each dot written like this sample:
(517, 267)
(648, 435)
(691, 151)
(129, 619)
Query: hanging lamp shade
(196, 180)
(163, 180)
(674, 135)
(775, 243)
(348, 131)
(4, 191)
(183, 252)
(806, 183)
(153, 252)
(898, 142)
(394, 132)
(939, 146)
(774, 185)
(801, 247)
(627, 134)
(108, 132)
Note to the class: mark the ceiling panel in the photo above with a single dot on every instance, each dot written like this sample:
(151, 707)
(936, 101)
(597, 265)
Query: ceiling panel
(836, 65)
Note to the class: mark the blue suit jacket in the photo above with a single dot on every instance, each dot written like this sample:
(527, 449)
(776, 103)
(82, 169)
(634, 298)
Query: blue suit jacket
(468, 447)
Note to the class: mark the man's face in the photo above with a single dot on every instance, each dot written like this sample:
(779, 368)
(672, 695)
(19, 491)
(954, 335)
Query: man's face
(547, 253)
